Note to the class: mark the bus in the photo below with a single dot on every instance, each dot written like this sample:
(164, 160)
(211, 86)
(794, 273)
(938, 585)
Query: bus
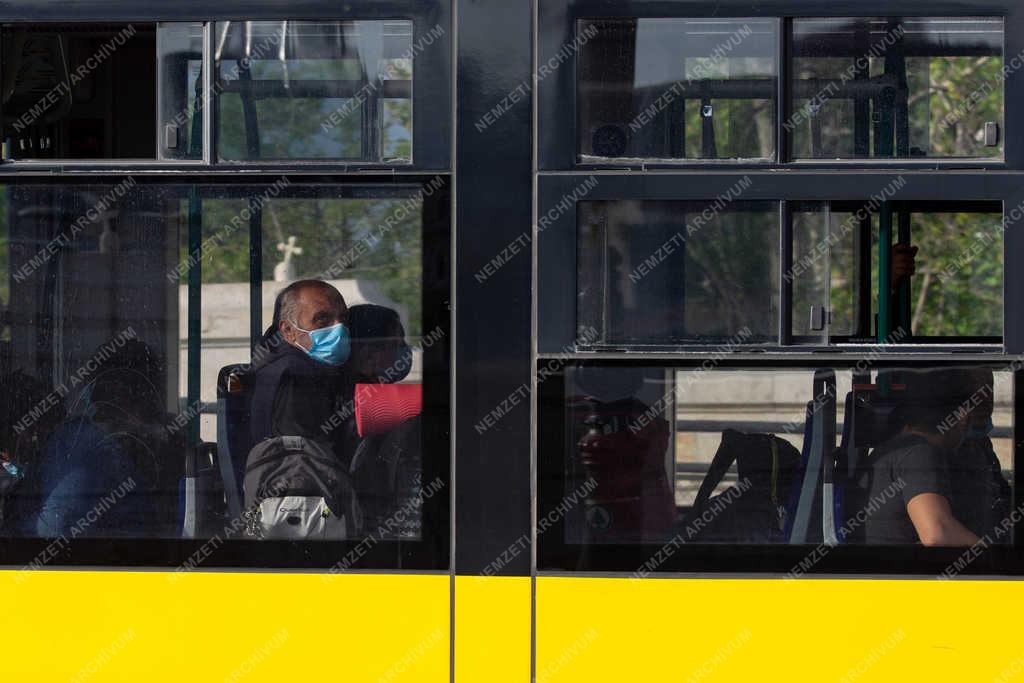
(679, 340)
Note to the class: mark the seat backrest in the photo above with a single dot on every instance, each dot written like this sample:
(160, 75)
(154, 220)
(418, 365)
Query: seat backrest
(868, 421)
(234, 401)
(807, 484)
(808, 520)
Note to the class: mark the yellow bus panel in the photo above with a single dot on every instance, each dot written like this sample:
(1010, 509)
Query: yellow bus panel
(152, 627)
(687, 630)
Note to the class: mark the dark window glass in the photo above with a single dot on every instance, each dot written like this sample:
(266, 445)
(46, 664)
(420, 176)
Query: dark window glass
(653, 272)
(677, 88)
(92, 91)
(315, 90)
(951, 286)
(896, 88)
(109, 393)
(753, 456)
(62, 83)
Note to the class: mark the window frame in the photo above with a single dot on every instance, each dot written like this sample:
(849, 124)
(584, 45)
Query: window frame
(431, 552)
(912, 208)
(433, 129)
(431, 96)
(557, 131)
(556, 557)
(559, 194)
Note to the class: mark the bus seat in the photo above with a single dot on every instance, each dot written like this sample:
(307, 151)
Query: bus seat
(815, 474)
(867, 422)
(802, 498)
(233, 436)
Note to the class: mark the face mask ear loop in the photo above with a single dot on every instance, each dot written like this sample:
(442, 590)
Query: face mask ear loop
(305, 332)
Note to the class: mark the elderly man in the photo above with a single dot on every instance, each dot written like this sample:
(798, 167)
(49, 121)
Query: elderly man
(299, 380)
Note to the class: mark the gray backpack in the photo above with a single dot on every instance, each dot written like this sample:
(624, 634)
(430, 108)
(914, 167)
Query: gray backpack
(296, 489)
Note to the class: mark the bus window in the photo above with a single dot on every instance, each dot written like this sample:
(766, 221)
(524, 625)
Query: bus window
(726, 454)
(324, 235)
(314, 90)
(947, 285)
(90, 361)
(674, 88)
(65, 91)
(877, 88)
(652, 272)
(110, 370)
(180, 90)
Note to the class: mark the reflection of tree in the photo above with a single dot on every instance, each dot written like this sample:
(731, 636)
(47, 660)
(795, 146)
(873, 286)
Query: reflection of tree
(730, 272)
(937, 88)
(952, 82)
(943, 121)
(328, 230)
(970, 302)
(743, 128)
(305, 127)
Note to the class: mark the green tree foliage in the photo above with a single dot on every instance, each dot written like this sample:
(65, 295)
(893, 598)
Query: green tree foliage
(329, 230)
(949, 101)
(332, 232)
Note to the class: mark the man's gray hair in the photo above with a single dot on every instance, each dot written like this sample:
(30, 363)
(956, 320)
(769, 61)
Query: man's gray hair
(286, 307)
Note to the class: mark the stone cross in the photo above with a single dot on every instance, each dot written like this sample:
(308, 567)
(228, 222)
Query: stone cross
(285, 270)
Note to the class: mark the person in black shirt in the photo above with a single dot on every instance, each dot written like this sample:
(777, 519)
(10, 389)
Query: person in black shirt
(910, 492)
(981, 496)
(299, 378)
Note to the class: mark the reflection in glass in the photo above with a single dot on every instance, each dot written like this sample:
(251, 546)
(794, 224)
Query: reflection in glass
(955, 291)
(105, 393)
(180, 90)
(653, 272)
(90, 91)
(314, 90)
(677, 88)
(897, 88)
(758, 456)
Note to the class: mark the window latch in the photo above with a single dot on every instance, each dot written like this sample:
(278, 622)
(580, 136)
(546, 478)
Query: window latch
(818, 318)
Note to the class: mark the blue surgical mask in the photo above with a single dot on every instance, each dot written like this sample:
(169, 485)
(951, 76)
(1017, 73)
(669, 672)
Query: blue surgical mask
(331, 345)
(979, 433)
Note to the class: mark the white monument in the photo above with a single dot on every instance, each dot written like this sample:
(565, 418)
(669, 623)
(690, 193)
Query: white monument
(285, 270)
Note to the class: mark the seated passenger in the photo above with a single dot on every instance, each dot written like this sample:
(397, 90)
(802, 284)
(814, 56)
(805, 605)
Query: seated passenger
(380, 353)
(27, 418)
(981, 496)
(910, 473)
(100, 469)
(386, 468)
(299, 384)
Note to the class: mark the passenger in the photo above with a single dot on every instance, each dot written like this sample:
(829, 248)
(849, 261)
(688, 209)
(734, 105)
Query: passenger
(101, 468)
(28, 415)
(981, 496)
(386, 468)
(299, 384)
(380, 353)
(910, 473)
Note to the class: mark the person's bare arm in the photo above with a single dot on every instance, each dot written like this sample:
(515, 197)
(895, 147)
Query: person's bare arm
(935, 524)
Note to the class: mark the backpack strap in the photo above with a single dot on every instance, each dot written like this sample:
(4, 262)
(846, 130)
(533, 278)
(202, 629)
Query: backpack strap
(720, 464)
